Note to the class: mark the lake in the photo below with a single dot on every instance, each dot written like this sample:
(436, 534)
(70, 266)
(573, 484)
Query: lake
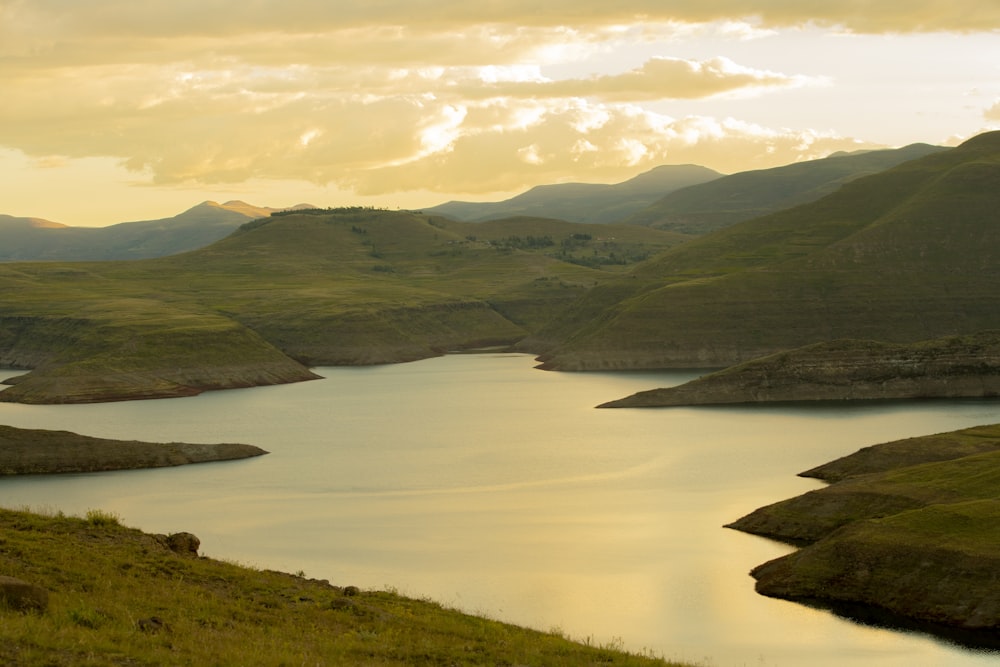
(487, 485)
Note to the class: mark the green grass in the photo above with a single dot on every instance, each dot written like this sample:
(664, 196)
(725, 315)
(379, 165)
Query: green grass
(817, 514)
(106, 582)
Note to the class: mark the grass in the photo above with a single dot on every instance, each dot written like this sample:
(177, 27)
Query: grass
(903, 255)
(731, 199)
(912, 528)
(120, 597)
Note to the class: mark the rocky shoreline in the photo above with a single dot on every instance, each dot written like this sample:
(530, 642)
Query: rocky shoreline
(30, 451)
(908, 530)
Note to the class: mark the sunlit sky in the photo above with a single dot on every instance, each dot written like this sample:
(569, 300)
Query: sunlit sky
(117, 110)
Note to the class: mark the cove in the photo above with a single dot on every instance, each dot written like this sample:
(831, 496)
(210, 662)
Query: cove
(487, 485)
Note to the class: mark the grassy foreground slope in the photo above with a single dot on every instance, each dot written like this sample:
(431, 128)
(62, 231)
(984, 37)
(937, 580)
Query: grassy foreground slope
(349, 286)
(907, 254)
(911, 528)
(118, 596)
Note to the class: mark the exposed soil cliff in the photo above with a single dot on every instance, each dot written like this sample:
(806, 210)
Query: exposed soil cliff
(951, 367)
(25, 451)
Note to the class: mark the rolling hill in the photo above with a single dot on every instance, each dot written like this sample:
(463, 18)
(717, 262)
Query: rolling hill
(706, 207)
(904, 255)
(583, 202)
(321, 287)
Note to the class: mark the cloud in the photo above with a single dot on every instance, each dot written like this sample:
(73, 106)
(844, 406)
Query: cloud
(493, 153)
(993, 113)
(659, 78)
(380, 131)
(173, 18)
(406, 94)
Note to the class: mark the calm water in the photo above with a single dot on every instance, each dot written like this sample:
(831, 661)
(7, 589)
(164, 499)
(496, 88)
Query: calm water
(486, 485)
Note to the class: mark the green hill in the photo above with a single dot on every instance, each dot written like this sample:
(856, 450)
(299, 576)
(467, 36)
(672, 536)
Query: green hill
(346, 286)
(904, 255)
(706, 207)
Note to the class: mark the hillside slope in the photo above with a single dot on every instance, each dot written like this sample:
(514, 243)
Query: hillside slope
(908, 254)
(703, 208)
(117, 596)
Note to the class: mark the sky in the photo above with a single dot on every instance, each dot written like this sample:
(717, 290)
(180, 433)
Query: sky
(117, 110)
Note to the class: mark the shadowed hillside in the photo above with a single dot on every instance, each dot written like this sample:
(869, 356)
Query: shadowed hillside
(905, 255)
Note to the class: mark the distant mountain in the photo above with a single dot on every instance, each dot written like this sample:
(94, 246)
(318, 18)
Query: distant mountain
(908, 254)
(583, 202)
(705, 207)
(30, 239)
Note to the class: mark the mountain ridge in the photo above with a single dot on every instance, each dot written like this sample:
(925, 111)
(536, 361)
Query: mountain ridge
(903, 255)
(725, 201)
(36, 239)
(582, 202)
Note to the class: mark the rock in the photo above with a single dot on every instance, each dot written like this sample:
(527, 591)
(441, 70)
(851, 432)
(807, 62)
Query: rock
(184, 544)
(341, 604)
(351, 590)
(152, 625)
(20, 595)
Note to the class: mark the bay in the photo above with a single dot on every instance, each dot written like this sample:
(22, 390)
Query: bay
(486, 485)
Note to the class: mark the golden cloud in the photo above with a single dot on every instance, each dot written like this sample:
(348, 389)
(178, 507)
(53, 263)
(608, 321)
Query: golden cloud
(172, 18)
(402, 95)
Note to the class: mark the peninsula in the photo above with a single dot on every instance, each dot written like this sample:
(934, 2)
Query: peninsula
(908, 532)
(949, 367)
(31, 451)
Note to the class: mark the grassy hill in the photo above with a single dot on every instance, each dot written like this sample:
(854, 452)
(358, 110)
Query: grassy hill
(117, 596)
(706, 207)
(905, 255)
(346, 286)
(583, 202)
